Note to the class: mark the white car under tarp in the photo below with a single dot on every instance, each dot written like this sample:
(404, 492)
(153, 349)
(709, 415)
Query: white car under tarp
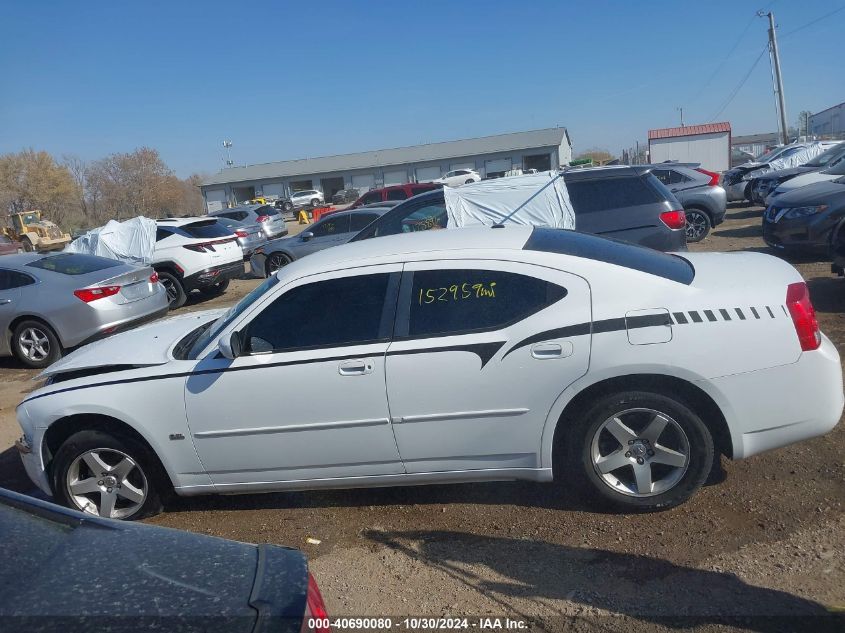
(533, 199)
(130, 241)
(798, 158)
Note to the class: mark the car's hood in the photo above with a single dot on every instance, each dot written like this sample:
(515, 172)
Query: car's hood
(819, 193)
(142, 347)
(803, 180)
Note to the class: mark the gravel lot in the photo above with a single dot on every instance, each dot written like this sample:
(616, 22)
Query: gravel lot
(766, 539)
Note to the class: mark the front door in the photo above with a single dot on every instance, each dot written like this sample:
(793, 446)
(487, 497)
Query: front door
(331, 231)
(481, 351)
(306, 400)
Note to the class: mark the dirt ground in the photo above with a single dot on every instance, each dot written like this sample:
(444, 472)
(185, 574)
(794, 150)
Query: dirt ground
(765, 541)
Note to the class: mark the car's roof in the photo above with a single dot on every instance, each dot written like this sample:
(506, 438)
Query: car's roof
(17, 262)
(379, 210)
(184, 221)
(605, 171)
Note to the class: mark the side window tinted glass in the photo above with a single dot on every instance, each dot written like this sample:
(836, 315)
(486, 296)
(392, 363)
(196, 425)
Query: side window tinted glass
(609, 193)
(445, 302)
(13, 279)
(397, 194)
(162, 233)
(332, 226)
(373, 196)
(330, 313)
(360, 220)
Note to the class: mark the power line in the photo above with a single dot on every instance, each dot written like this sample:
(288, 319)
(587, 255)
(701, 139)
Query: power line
(740, 85)
(812, 22)
(726, 58)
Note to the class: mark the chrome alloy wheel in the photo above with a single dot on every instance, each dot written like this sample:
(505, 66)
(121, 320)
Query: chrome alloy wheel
(34, 344)
(696, 225)
(640, 452)
(106, 482)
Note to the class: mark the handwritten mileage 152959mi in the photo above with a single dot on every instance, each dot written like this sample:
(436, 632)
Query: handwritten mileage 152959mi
(457, 292)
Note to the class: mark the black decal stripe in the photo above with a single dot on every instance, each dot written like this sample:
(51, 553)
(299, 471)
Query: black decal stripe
(710, 316)
(725, 315)
(771, 314)
(739, 314)
(755, 313)
(484, 351)
(695, 316)
(599, 327)
(680, 318)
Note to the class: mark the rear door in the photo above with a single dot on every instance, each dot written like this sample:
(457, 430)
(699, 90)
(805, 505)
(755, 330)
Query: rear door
(11, 282)
(481, 350)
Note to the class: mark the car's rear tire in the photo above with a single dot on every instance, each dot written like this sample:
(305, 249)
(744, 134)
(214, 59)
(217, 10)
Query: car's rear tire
(469, 182)
(27, 245)
(288, 206)
(611, 451)
(107, 475)
(35, 344)
(176, 295)
(698, 225)
(216, 290)
(275, 262)
(315, 202)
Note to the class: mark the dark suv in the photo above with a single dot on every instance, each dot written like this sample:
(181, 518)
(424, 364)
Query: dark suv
(626, 203)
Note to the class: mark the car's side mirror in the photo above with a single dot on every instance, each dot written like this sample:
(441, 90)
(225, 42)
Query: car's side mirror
(308, 235)
(231, 347)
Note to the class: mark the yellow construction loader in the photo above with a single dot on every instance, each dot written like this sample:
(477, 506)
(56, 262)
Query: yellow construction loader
(34, 232)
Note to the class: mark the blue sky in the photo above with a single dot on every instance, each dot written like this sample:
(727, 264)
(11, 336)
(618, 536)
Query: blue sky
(295, 79)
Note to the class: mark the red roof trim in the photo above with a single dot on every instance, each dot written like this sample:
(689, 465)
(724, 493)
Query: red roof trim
(689, 130)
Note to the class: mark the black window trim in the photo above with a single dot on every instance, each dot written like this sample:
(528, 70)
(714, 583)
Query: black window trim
(386, 324)
(403, 311)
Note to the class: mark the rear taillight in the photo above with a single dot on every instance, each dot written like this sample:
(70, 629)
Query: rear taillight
(92, 294)
(154, 278)
(199, 248)
(803, 316)
(316, 616)
(262, 218)
(714, 177)
(674, 219)
(241, 233)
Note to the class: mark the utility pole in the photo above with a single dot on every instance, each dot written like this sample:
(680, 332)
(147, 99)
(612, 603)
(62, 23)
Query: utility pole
(773, 48)
(228, 146)
(681, 110)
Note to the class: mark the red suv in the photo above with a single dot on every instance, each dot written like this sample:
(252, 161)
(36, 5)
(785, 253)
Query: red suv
(396, 192)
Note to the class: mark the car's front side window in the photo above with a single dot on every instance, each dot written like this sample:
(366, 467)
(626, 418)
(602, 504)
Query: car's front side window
(331, 226)
(331, 313)
(456, 301)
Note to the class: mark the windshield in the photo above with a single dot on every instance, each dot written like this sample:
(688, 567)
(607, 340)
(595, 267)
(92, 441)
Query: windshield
(30, 218)
(827, 157)
(203, 335)
(837, 168)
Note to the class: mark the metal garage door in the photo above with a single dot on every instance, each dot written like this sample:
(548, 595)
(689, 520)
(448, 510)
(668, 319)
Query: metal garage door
(493, 167)
(215, 200)
(273, 189)
(395, 177)
(363, 183)
(427, 174)
(455, 166)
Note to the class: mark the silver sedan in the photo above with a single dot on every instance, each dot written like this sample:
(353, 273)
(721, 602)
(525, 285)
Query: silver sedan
(250, 235)
(53, 302)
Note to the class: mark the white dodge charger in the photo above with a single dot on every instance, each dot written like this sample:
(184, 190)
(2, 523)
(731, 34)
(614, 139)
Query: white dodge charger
(446, 356)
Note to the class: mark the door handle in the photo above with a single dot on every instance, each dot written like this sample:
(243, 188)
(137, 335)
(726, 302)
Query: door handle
(543, 351)
(358, 367)
(5, 301)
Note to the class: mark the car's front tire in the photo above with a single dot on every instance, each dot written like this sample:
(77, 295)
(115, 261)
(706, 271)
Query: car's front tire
(176, 295)
(637, 451)
(107, 475)
(275, 262)
(315, 202)
(35, 344)
(698, 225)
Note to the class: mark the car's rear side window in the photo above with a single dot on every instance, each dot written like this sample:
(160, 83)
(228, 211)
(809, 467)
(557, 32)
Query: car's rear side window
(625, 254)
(397, 194)
(331, 313)
(13, 279)
(601, 194)
(267, 210)
(205, 229)
(74, 263)
(373, 196)
(455, 301)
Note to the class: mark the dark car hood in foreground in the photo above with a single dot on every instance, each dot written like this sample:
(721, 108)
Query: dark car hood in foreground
(63, 570)
(827, 192)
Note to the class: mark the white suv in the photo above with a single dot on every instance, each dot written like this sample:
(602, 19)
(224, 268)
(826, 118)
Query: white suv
(195, 254)
(458, 177)
(305, 198)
